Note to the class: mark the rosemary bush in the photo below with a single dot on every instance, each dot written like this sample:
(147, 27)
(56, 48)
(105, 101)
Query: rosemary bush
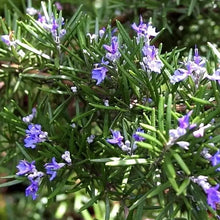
(100, 114)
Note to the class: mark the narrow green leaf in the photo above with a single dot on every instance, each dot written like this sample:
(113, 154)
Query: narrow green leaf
(124, 35)
(89, 203)
(24, 152)
(201, 101)
(107, 208)
(168, 113)
(159, 189)
(173, 183)
(107, 107)
(181, 162)
(79, 117)
(168, 166)
(161, 114)
(191, 6)
(183, 186)
(35, 51)
(151, 138)
(127, 162)
(11, 183)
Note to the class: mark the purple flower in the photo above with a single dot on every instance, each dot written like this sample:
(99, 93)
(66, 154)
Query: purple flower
(183, 144)
(90, 139)
(66, 157)
(144, 30)
(200, 132)
(36, 176)
(52, 167)
(112, 51)
(99, 74)
(194, 68)
(7, 40)
(53, 26)
(138, 137)
(117, 138)
(29, 118)
(215, 76)
(151, 60)
(25, 167)
(213, 196)
(32, 189)
(58, 6)
(34, 135)
(215, 159)
(201, 181)
(184, 121)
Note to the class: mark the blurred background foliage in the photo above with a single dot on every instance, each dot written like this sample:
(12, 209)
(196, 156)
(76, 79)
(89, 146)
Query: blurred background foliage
(185, 23)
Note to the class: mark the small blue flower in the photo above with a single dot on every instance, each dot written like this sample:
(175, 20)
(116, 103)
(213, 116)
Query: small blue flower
(36, 176)
(215, 76)
(32, 190)
(6, 39)
(113, 53)
(34, 135)
(213, 196)
(99, 74)
(184, 121)
(117, 138)
(144, 30)
(151, 59)
(90, 139)
(215, 159)
(25, 167)
(138, 137)
(66, 157)
(51, 168)
(195, 69)
(27, 119)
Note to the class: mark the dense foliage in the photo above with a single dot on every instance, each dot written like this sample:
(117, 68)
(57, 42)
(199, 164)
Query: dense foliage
(121, 116)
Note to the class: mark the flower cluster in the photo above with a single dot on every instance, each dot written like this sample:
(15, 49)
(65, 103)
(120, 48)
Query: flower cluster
(53, 25)
(34, 135)
(151, 61)
(29, 169)
(195, 69)
(112, 55)
(184, 125)
(213, 195)
(126, 146)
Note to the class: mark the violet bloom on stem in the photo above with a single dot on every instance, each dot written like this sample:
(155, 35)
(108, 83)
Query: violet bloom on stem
(181, 74)
(215, 76)
(145, 30)
(66, 157)
(138, 137)
(151, 59)
(27, 119)
(32, 189)
(113, 53)
(215, 159)
(117, 138)
(34, 135)
(7, 40)
(213, 196)
(51, 168)
(194, 68)
(99, 74)
(25, 167)
(184, 121)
